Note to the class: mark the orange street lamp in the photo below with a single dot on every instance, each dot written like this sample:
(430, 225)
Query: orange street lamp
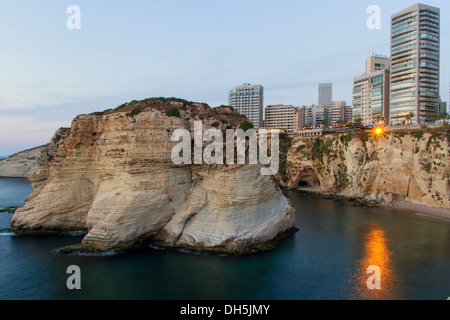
(378, 132)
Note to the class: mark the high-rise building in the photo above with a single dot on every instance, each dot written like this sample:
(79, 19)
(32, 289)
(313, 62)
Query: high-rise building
(348, 114)
(371, 97)
(376, 62)
(442, 107)
(317, 116)
(415, 60)
(339, 112)
(282, 117)
(325, 94)
(301, 117)
(249, 101)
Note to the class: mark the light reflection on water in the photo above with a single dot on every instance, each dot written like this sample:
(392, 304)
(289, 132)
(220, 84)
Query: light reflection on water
(327, 259)
(376, 252)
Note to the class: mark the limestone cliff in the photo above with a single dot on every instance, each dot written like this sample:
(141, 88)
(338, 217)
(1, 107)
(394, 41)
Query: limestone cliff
(112, 175)
(413, 166)
(22, 164)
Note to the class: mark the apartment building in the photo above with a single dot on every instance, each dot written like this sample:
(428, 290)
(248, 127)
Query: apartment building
(248, 100)
(415, 62)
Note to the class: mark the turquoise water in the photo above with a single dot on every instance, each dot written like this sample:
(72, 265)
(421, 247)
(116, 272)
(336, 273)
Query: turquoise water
(327, 259)
(13, 191)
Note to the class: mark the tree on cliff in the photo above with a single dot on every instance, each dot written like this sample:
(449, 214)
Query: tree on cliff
(246, 125)
(359, 122)
(410, 116)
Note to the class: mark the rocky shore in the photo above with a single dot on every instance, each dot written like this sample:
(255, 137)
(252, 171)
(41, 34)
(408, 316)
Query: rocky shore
(111, 174)
(406, 169)
(22, 164)
(404, 166)
(426, 210)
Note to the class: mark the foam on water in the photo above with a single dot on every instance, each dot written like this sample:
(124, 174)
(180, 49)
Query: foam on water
(87, 254)
(7, 234)
(198, 252)
(430, 216)
(73, 233)
(95, 254)
(152, 246)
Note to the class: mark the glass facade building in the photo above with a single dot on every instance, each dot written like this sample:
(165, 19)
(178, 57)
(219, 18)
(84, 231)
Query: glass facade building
(249, 101)
(317, 116)
(325, 94)
(371, 97)
(415, 60)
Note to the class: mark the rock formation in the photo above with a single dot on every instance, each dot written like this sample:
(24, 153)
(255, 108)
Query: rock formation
(112, 175)
(22, 164)
(413, 166)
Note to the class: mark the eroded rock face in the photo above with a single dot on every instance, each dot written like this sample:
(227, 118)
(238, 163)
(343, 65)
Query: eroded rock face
(22, 164)
(414, 167)
(113, 176)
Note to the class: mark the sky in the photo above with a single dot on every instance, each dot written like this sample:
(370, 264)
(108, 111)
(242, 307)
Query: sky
(197, 50)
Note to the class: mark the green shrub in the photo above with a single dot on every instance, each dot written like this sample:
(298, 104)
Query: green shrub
(169, 99)
(418, 134)
(364, 136)
(121, 106)
(174, 112)
(346, 137)
(225, 106)
(9, 209)
(341, 180)
(320, 148)
(400, 133)
(136, 110)
(246, 126)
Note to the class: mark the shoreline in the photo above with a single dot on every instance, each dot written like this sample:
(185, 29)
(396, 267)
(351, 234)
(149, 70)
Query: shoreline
(421, 209)
(414, 208)
(6, 177)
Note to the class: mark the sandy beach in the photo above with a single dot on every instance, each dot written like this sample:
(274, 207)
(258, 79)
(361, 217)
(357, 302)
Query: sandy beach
(434, 212)
(440, 213)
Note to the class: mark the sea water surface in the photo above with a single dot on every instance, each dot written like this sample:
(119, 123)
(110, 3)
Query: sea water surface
(326, 259)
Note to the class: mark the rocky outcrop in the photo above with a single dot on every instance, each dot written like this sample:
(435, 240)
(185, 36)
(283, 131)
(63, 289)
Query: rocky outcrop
(22, 164)
(113, 176)
(413, 166)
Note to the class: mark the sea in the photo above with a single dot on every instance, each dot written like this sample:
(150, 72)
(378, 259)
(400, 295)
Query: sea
(342, 251)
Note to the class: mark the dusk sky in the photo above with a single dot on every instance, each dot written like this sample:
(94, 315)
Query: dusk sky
(196, 50)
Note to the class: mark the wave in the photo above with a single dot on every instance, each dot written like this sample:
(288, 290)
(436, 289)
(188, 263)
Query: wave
(73, 233)
(190, 251)
(82, 253)
(430, 216)
(203, 253)
(7, 234)
(152, 246)
(94, 254)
